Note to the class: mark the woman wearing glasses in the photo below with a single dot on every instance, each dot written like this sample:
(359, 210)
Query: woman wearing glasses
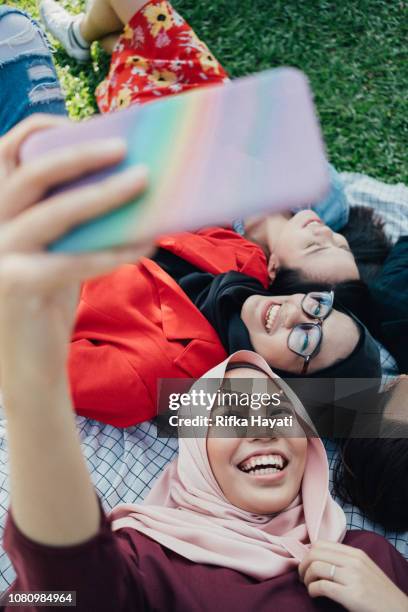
(299, 319)
(175, 320)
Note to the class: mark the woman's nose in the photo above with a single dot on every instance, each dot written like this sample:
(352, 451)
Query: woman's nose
(259, 434)
(322, 231)
(292, 314)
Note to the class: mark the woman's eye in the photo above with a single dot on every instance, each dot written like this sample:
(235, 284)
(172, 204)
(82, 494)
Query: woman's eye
(298, 340)
(305, 343)
(317, 309)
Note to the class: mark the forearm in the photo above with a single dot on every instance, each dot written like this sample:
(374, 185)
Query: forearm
(52, 497)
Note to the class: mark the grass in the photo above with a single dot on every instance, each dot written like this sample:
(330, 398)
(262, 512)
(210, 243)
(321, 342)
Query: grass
(355, 54)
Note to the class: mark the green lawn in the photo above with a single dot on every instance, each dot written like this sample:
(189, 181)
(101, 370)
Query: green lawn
(354, 52)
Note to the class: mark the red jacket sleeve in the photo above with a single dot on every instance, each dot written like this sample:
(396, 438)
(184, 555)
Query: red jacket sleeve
(106, 387)
(109, 353)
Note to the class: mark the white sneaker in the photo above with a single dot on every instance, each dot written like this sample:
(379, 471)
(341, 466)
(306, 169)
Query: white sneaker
(61, 25)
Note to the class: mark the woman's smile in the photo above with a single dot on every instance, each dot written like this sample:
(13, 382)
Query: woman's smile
(264, 467)
(271, 317)
(312, 218)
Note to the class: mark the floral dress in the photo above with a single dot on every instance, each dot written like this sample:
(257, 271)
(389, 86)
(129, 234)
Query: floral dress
(158, 54)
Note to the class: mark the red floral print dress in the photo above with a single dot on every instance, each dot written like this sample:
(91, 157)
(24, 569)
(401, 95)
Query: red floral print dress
(158, 54)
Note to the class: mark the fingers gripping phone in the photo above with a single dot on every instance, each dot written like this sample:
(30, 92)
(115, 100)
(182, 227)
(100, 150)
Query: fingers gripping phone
(215, 154)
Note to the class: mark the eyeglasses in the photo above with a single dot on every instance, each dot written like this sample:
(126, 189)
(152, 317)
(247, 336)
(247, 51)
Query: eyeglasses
(305, 339)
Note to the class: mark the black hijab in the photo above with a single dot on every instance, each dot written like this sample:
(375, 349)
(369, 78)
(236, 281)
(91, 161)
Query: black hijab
(220, 299)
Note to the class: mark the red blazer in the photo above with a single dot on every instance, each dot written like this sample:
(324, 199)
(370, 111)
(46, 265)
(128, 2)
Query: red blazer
(136, 325)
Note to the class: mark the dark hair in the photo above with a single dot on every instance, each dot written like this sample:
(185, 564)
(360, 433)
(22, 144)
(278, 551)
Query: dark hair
(372, 473)
(367, 240)
(369, 245)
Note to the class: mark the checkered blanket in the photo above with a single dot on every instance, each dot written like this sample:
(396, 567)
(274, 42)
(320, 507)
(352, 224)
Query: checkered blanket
(124, 463)
(389, 201)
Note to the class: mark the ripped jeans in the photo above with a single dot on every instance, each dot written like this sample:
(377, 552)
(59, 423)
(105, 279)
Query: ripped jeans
(28, 81)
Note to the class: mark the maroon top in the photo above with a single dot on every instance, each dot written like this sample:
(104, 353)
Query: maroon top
(125, 571)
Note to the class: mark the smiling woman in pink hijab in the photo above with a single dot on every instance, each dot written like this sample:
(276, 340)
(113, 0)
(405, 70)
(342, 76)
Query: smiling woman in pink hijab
(234, 523)
(211, 507)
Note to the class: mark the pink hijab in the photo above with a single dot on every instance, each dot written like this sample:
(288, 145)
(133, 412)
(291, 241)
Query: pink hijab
(187, 512)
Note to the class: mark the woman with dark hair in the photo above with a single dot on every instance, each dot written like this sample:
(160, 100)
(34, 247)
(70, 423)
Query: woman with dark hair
(361, 231)
(368, 243)
(371, 473)
(372, 467)
(389, 304)
(367, 240)
(381, 304)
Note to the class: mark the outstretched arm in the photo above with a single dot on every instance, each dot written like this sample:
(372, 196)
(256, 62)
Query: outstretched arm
(52, 498)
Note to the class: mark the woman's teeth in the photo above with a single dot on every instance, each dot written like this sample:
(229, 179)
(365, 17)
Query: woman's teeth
(263, 464)
(270, 317)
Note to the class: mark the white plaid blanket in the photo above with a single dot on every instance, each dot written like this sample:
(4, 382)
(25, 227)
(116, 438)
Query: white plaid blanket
(125, 462)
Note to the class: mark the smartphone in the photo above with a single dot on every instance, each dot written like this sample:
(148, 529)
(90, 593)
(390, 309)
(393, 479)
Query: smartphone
(215, 154)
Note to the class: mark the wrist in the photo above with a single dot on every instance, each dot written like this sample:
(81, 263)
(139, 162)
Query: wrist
(35, 395)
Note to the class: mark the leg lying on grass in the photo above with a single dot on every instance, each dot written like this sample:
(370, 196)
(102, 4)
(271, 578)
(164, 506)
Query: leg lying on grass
(28, 81)
(103, 21)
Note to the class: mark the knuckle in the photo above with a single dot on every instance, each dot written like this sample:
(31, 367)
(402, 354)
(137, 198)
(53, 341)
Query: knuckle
(316, 547)
(313, 556)
(360, 554)
(314, 567)
(359, 560)
(33, 176)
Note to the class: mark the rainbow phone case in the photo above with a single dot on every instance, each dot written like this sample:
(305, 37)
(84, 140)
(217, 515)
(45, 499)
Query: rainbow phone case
(214, 154)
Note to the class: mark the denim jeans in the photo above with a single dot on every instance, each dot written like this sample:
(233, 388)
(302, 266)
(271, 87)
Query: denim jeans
(28, 80)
